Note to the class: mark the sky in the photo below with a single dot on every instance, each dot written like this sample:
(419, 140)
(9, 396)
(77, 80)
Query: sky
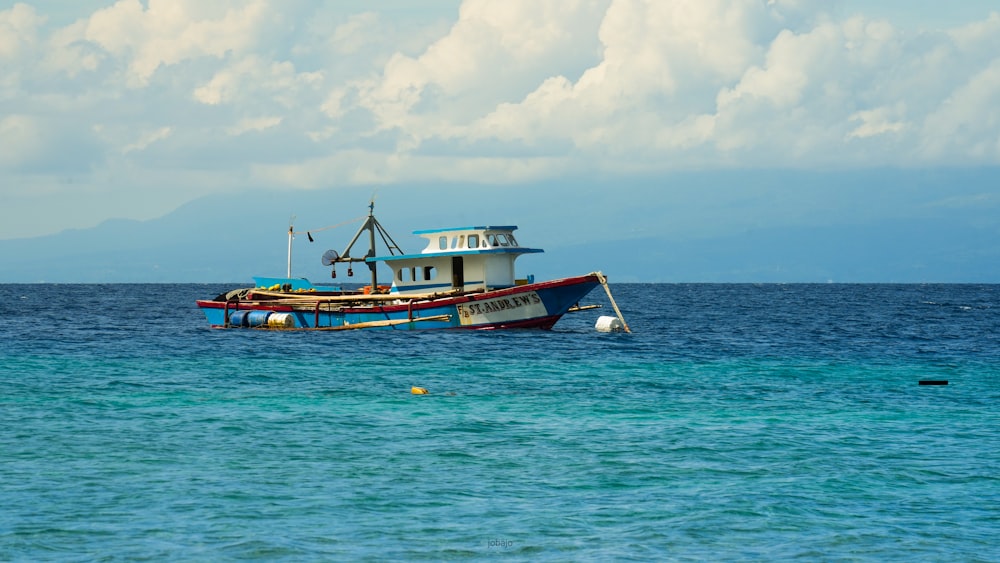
(131, 109)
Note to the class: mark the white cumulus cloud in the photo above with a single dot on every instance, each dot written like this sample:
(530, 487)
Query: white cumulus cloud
(18, 30)
(167, 32)
(467, 90)
(254, 124)
(148, 138)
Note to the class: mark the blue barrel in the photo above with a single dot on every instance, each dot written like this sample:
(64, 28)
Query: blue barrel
(239, 318)
(258, 318)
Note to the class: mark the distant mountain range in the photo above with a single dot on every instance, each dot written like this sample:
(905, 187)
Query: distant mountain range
(901, 252)
(882, 226)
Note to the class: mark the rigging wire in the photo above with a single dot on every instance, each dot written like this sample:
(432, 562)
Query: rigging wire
(355, 220)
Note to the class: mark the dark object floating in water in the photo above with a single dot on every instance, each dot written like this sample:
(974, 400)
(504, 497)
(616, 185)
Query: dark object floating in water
(934, 382)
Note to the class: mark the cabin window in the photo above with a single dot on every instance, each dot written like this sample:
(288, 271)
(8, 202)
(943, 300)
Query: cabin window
(442, 243)
(492, 240)
(502, 240)
(512, 241)
(473, 241)
(429, 273)
(406, 275)
(458, 242)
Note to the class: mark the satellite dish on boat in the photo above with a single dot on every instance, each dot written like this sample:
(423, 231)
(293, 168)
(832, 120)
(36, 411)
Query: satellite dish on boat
(329, 257)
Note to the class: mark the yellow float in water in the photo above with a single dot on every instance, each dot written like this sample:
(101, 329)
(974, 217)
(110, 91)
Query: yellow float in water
(418, 391)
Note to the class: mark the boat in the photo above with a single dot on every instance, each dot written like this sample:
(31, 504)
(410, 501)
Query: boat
(463, 279)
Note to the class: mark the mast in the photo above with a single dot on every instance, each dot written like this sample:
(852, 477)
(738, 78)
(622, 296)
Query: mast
(371, 225)
(290, 233)
(371, 243)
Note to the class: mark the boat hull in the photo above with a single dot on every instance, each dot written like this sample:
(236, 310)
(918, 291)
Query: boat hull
(537, 305)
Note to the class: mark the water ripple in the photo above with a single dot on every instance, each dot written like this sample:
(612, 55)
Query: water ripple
(738, 422)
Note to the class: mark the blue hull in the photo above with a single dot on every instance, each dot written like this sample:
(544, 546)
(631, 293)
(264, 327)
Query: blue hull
(538, 305)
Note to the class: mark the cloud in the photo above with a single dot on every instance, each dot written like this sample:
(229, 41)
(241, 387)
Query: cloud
(253, 124)
(312, 94)
(968, 121)
(792, 103)
(43, 145)
(252, 78)
(352, 36)
(168, 32)
(147, 139)
(360, 167)
(876, 122)
(681, 84)
(18, 30)
(658, 68)
(493, 53)
(21, 137)
(607, 82)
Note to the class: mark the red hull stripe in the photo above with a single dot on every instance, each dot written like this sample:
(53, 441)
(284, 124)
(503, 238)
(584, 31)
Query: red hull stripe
(427, 304)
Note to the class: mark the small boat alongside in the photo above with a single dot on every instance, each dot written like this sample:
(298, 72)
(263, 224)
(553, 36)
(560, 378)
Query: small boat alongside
(463, 279)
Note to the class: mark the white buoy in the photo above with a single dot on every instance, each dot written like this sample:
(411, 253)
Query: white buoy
(609, 324)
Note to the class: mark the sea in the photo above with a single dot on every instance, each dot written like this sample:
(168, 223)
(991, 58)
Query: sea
(734, 423)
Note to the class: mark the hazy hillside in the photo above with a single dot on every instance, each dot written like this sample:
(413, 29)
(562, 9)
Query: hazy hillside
(902, 252)
(689, 227)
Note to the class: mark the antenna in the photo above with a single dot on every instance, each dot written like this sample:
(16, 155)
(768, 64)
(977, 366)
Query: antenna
(291, 235)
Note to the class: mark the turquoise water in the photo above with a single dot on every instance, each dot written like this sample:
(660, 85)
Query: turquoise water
(737, 422)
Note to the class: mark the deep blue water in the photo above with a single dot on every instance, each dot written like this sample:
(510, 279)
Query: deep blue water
(737, 422)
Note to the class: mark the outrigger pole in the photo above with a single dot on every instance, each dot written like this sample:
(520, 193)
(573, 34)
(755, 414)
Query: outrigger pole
(604, 282)
(371, 225)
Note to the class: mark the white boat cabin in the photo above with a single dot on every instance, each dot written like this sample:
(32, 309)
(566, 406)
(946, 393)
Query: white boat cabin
(466, 258)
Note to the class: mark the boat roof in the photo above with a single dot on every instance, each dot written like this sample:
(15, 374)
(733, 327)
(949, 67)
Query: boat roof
(509, 246)
(432, 255)
(478, 228)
